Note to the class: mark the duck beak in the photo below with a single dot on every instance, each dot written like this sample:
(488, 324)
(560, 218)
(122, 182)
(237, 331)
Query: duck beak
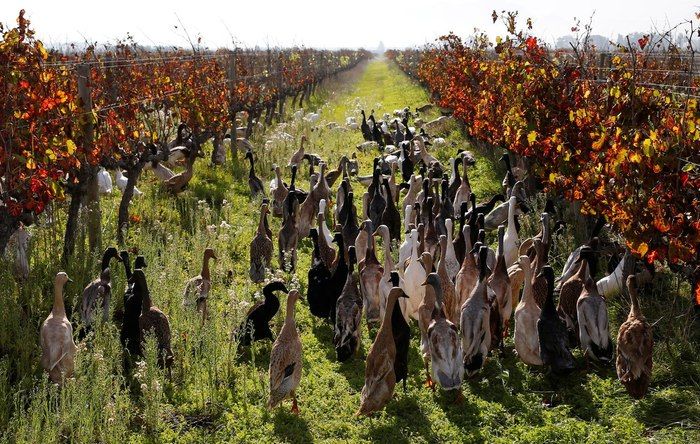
(70, 280)
(424, 284)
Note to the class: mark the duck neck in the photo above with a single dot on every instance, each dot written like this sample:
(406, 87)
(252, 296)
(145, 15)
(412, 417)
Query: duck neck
(291, 304)
(261, 223)
(251, 172)
(528, 297)
(386, 244)
(388, 313)
(635, 310)
(59, 308)
(278, 176)
(205, 268)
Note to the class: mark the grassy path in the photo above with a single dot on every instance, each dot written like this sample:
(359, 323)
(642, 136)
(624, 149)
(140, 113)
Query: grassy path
(218, 395)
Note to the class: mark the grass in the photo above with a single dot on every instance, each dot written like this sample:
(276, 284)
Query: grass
(219, 395)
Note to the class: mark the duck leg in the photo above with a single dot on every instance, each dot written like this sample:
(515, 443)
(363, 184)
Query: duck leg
(459, 398)
(429, 381)
(295, 406)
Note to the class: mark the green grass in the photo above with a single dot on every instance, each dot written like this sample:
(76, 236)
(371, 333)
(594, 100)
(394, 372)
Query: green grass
(219, 395)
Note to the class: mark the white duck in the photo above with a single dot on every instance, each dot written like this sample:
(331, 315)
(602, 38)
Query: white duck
(406, 248)
(612, 284)
(104, 181)
(58, 348)
(527, 313)
(159, 170)
(510, 239)
(413, 279)
(325, 231)
(122, 181)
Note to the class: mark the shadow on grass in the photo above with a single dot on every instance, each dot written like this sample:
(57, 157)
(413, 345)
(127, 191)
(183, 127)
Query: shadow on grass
(407, 417)
(290, 427)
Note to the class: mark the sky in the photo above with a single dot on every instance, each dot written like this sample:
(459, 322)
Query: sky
(329, 23)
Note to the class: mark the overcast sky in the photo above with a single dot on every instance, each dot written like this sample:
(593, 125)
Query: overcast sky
(328, 23)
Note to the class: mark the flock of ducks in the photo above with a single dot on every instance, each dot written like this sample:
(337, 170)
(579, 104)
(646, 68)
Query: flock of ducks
(436, 268)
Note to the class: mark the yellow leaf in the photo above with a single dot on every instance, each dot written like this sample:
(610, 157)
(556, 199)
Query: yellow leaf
(691, 127)
(647, 148)
(51, 155)
(643, 248)
(552, 177)
(572, 116)
(70, 146)
(531, 137)
(635, 158)
(30, 164)
(653, 135)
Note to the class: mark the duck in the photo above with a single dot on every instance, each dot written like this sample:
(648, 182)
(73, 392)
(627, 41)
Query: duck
(256, 185)
(414, 187)
(377, 205)
(326, 251)
(178, 182)
(570, 265)
(298, 155)
(499, 283)
(365, 129)
(288, 237)
(159, 170)
(130, 334)
(455, 179)
(98, 290)
(153, 321)
(539, 283)
(612, 284)
(385, 284)
(104, 181)
(197, 288)
(323, 228)
(391, 218)
(333, 175)
(510, 239)
(526, 316)
(260, 248)
(58, 349)
(431, 236)
(405, 162)
(635, 346)
(318, 277)
(347, 335)
(279, 192)
(552, 332)
(338, 277)
(380, 374)
(452, 265)
(467, 276)
(464, 190)
(425, 317)
(402, 333)
(413, 278)
(256, 325)
(350, 228)
(371, 271)
(446, 283)
(286, 360)
(500, 214)
(362, 239)
(474, 321)
(459, 243)
(122, 181)
(594, 331)
(445, 352)
(570, 292)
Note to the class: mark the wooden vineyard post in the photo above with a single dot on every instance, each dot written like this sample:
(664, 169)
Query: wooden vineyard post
(231, 78)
